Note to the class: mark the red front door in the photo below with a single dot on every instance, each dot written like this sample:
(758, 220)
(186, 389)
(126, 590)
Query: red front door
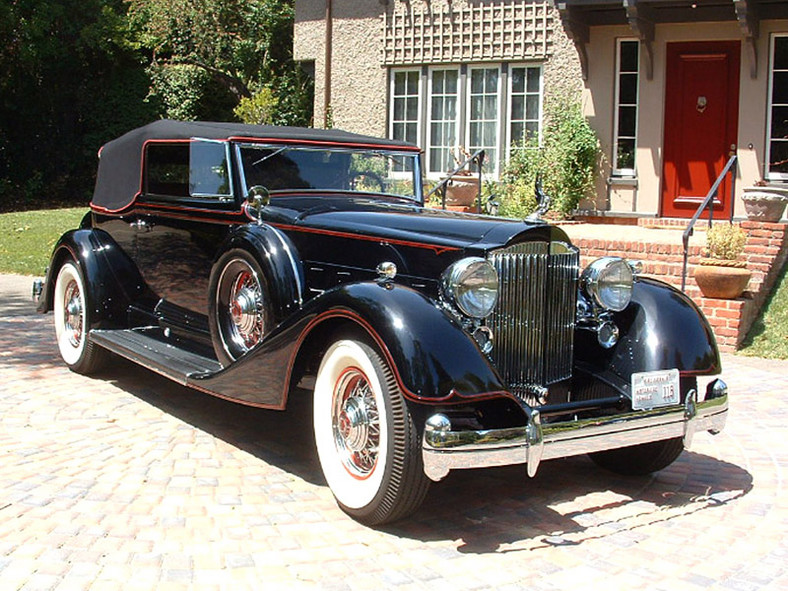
(701, 122)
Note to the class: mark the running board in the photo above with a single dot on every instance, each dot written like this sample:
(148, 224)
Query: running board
(140, 346)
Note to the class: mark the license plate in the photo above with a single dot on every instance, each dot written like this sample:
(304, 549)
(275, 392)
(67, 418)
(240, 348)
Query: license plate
(652, 389)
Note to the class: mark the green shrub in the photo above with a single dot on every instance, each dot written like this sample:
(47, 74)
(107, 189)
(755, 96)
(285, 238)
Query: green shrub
(566, 160)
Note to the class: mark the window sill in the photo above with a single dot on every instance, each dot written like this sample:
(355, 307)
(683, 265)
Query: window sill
(623, 181)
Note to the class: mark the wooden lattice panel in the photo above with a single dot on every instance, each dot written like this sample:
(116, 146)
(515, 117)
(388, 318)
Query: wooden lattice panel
(514, 30)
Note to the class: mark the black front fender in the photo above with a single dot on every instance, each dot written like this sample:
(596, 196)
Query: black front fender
(662, 328)
(432, 357)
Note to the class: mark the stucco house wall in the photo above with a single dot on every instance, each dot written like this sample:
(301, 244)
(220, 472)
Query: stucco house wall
(361, 53)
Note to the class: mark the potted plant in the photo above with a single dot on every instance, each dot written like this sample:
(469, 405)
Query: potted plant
(720, 274)
(764, 202)
(463, 188)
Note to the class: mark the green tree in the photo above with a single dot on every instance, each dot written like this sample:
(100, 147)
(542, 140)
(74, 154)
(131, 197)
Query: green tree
(207, 56)
(69, 81)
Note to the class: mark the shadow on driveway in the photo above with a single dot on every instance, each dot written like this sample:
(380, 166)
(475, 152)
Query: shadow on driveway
(570, 501)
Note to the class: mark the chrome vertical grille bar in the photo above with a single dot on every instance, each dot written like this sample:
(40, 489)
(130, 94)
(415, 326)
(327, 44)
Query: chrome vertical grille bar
(534, 320)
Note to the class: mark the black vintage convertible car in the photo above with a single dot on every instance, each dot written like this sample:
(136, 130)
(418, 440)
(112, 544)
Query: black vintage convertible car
(247, 261)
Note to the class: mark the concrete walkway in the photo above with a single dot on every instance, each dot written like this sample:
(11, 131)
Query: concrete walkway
(127, 481)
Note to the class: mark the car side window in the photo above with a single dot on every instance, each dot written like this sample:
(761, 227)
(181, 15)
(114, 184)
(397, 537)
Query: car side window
(167, 169)
(209, 174)
(197, 169)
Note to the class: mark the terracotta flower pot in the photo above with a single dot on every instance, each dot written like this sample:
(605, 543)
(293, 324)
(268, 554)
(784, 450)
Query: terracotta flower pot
(765, 204)
(462, 190)
(725, 282)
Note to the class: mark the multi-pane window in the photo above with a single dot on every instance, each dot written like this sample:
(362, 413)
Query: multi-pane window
(626, 107)
(777, 160)
(471, 107)
(525, 103)
(483, 114)
(405, 108)
(444, 97)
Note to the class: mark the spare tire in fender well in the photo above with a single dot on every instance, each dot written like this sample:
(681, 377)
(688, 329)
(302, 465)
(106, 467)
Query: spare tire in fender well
(281, 267)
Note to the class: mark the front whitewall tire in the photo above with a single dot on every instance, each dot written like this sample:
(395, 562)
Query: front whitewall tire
(355, 487)
(367, 443)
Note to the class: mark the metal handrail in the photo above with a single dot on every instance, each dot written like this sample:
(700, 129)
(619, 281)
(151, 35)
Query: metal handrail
(708, 202)
(478, 158)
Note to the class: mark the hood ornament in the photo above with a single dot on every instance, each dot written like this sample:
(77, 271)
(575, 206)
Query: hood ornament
(542, 202)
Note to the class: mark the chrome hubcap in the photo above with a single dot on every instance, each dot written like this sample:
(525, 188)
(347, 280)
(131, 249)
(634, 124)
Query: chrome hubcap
(72, 317)
(356, 423)
(246, 306)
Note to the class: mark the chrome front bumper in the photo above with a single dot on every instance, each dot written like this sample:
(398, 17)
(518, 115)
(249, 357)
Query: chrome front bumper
(444, 450)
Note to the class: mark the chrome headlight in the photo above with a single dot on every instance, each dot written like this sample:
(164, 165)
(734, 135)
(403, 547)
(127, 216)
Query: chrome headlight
(471, 284)
(609, 283)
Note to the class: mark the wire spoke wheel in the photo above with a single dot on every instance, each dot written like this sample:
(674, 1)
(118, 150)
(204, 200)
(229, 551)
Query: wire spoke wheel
(72, 322)
(239, 317)
(356, 423)
(245, 308)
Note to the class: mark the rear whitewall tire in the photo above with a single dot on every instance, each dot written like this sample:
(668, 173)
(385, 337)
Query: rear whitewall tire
(72, 322)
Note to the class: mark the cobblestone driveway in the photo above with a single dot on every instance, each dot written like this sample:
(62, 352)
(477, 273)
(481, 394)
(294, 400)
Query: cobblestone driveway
(127, 481)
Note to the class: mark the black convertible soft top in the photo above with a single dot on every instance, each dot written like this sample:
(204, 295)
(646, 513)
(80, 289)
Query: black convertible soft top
(119, 177)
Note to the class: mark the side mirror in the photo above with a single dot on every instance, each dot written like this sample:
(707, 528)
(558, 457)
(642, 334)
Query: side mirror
(257, 199)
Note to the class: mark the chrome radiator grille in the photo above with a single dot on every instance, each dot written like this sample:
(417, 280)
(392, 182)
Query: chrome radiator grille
(534, 320)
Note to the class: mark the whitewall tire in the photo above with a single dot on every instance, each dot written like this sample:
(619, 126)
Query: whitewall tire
(366, 441)
(72, 322)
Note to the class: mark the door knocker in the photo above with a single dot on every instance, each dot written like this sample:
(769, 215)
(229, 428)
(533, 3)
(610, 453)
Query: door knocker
(701, 106)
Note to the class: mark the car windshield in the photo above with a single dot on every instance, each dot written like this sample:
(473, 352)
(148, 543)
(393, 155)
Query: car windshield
(357, 170)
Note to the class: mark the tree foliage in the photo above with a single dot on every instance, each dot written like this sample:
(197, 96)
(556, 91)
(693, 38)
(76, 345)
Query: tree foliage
(69, 81)
(207, 56)
(77, 73)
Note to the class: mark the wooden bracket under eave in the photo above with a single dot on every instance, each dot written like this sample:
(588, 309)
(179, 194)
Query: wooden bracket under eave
(578, 31)
(749, 23)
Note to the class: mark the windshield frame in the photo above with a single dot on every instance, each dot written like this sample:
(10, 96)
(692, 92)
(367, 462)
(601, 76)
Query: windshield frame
(414, 176)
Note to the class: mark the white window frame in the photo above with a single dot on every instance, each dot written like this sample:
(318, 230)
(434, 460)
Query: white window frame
(503, 123)
(772, 176)
(457, 120)
(510, 140)
(490, 172)
(419, 112)
(616, 171)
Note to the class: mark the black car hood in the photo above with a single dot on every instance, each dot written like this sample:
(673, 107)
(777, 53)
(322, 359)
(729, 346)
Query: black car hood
(404, 222)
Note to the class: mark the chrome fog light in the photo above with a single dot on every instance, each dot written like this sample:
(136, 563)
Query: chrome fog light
(609, 283)
(607, 334)
(484, 337)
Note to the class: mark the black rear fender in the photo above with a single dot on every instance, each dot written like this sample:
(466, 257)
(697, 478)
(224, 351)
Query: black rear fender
(110, 276)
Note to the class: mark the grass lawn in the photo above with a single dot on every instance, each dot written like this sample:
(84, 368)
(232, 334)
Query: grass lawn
(28, 237)
(768, 336)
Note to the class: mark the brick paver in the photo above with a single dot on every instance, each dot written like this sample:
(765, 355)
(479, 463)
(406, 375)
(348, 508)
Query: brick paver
(127, 481)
